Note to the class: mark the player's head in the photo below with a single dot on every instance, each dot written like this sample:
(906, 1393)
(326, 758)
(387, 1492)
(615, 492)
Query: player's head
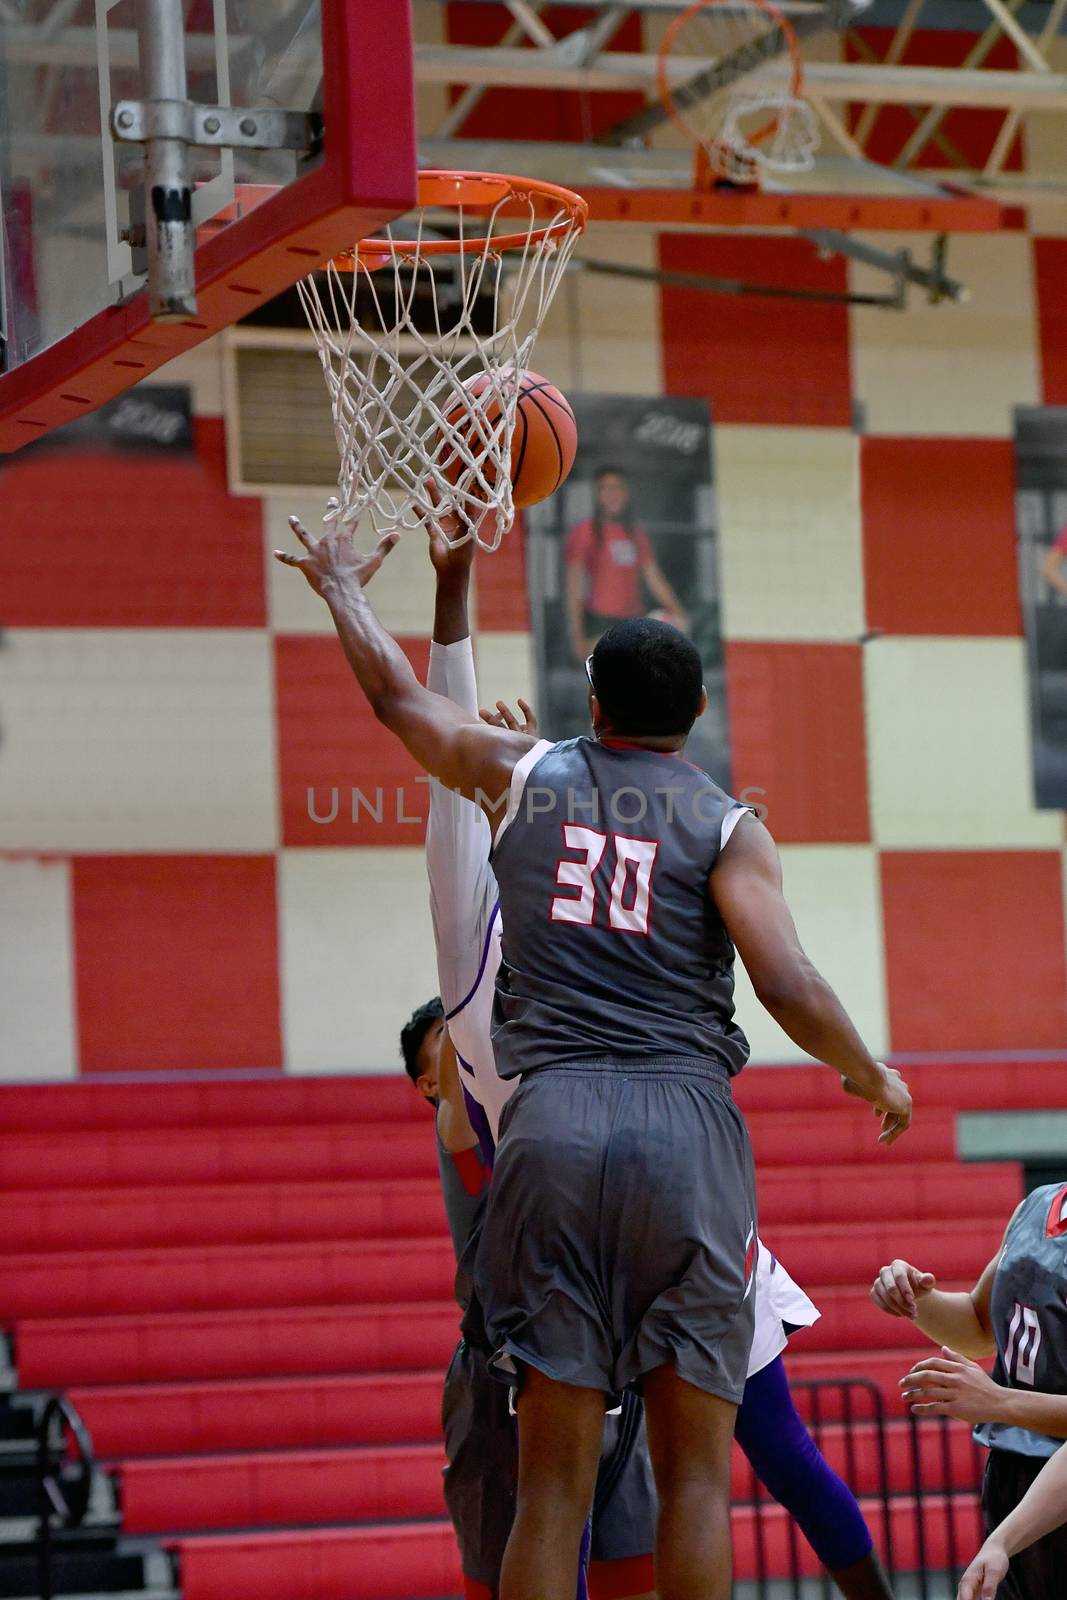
(647, 682)
(421, 1038)
(612, 492)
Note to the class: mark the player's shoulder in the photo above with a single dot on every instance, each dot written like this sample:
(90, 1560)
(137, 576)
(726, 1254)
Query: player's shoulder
(1036, 1207)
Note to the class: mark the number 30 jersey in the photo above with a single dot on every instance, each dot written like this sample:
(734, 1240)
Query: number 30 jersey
(612, 945)
(1029, 1311)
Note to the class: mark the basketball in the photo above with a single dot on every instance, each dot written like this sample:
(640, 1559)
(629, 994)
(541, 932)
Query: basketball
(544, 440)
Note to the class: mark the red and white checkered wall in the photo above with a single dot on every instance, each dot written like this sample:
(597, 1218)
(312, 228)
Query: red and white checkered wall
(168, 694)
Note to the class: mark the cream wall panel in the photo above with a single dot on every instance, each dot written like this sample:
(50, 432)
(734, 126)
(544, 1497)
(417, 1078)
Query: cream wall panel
(201, 369)
(950, 369)
(431, 99)
(790, 542)
(131, 739)
(36, 971)
(401, 592)
(602, 335)
(357, 955)
(949, 745)
(835, 896)
(1045, 154)
(506, 668)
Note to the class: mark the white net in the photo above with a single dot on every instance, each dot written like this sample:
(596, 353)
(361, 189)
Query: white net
(424, 345)
(765, 133)
(707, 64)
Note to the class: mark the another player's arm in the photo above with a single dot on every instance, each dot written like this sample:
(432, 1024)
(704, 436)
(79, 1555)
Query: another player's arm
(463, 752)
(746, 885)
(960, 1320)
(1042, 1509)
(453, 1124)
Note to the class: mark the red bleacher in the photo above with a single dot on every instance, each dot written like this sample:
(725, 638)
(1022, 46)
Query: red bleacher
(245, 1287)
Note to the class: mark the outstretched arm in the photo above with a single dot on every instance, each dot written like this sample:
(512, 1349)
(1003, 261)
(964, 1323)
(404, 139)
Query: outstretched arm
(450, 744)
(1042, 1509)
(958, 1319)
(746, 885)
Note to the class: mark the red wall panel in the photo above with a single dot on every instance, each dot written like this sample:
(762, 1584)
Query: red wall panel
(330, 742)
(562, 115)
(92, 540)
(503, 605)
(939, 540)
(796, 730)
(969, 131)
(1050, 273)
(176, 962)
(974, 946)
(757, 360)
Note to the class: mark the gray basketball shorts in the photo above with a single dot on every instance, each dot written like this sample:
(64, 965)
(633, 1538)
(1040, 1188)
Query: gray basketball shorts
(481, 1447)
(619, 1233)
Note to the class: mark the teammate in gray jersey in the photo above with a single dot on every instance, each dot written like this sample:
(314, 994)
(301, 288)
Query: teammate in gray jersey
(622, 1158)
(1017, 1309)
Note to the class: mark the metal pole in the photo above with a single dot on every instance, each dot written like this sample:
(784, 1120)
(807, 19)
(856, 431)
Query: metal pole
(168, 193)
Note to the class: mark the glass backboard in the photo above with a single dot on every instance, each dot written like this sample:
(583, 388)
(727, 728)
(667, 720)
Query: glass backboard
(73, 307)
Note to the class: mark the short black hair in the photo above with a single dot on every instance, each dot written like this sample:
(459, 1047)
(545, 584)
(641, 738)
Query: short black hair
(606, 470)
(414, 1032)
(648, 677)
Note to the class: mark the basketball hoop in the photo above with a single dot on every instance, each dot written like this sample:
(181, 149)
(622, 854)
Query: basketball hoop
(424, 341)
(739, 133)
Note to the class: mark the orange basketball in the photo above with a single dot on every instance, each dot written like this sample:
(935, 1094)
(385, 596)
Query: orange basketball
(544, 439)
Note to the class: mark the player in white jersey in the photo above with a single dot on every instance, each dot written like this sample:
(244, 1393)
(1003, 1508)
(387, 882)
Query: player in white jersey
(467, 931)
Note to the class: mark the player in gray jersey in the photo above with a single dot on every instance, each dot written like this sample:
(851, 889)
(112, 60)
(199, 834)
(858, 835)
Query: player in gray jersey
(623, 1159)
(1017, 1309)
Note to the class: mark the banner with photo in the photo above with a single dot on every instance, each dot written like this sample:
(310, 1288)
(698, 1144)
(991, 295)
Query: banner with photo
(632, 532)
(1041, 518)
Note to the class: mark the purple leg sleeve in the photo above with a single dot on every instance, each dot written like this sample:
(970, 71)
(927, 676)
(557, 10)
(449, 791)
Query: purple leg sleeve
(787, 1461)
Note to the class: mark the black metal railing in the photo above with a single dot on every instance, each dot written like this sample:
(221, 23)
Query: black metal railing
(65, 1470)
(917, 1481)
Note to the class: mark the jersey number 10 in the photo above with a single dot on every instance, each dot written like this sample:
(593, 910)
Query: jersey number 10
(630, 898)
(1024, 1342)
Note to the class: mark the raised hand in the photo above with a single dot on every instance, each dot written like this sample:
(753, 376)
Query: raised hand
(333, 560)
(504, 717)
(890, 1100)
(949, 1385)
(899, 1286)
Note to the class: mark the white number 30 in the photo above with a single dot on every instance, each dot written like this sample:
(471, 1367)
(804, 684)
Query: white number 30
(630, 899)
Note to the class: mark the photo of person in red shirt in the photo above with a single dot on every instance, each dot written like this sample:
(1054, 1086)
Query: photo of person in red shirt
(611, 568)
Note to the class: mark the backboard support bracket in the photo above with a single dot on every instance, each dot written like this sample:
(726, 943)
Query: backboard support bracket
(168, 124)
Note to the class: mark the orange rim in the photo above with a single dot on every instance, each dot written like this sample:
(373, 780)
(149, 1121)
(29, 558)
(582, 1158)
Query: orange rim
(490, 192)
(666, 88)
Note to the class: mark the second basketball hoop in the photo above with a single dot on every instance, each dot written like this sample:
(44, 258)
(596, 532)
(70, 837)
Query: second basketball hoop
(731, 76)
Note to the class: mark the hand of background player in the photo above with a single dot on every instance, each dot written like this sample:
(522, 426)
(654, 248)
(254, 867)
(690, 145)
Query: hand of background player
(890, 1099)
(334, 559)
(948, 1385)
(985, 1573)
(504, 717)
(898, 1286)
